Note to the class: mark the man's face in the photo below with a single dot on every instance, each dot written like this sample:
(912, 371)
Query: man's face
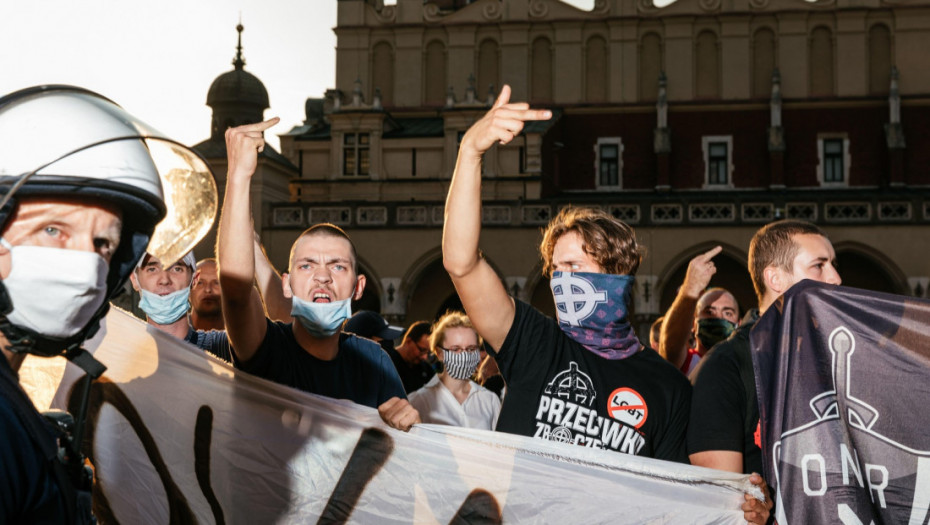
(151, 277)
(568, 255)
(423, 347)
(68, 224)
(322, 270)
(815, 260)
(205, 290)
(718, 304)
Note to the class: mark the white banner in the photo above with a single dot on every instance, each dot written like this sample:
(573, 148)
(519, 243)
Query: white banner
(180, 437)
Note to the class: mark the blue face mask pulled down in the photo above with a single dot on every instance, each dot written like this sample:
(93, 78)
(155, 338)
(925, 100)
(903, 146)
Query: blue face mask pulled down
(321, 319)
(593, 309)
(165, 309)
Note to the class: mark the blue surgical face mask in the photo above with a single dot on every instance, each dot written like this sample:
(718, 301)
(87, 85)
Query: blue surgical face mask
(165, 309)
(321, 319)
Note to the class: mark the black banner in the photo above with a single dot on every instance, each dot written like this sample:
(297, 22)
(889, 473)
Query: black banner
(843, 379)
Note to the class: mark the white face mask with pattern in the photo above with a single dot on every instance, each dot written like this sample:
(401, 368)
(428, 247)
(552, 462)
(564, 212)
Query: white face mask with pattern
(460, 365)
(55, 291)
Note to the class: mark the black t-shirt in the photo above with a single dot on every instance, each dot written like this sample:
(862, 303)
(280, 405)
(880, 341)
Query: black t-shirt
(724, 409)
(360, 372)
(559, 390)
(413, 377)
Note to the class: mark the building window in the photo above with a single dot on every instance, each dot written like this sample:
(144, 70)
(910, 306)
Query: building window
(609, 162)
(718, 161)
(833, 154)
(355, 154)
(413, 162)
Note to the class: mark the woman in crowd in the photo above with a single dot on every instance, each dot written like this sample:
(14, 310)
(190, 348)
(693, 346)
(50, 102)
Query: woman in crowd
(451, 397)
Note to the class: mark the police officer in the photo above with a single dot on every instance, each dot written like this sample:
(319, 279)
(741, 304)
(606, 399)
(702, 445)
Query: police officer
(82, 196)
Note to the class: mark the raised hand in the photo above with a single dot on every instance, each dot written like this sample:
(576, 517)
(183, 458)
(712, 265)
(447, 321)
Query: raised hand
(500, 125)
(700, 270)
(243, 144)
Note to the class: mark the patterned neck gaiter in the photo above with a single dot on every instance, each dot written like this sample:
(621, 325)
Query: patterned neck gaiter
(592, 309)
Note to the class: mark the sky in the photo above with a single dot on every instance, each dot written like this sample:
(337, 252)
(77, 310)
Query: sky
(158, 59)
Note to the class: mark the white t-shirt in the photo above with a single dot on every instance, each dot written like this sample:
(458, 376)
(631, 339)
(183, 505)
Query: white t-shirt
(436, 404)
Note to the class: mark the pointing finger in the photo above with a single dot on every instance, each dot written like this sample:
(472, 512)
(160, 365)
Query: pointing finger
(503, 98)
(260, 126)
(525, 114)
(710, 254)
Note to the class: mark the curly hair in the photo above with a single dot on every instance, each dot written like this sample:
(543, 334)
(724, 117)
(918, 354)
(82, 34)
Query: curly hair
(610, 241)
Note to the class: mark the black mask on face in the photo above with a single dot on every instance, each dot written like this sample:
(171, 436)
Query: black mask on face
(712, 330)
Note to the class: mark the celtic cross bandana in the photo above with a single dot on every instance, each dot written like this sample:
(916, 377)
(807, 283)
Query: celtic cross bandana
(592, 310)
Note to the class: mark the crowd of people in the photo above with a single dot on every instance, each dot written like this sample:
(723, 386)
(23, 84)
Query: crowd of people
(582, 378)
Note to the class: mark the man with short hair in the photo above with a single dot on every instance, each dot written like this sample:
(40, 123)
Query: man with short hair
(411, 357)
(85, 197)
(311, 353)
(699, 318)
(165, 298)
(724, 426)
(206, 303)
(164, 292)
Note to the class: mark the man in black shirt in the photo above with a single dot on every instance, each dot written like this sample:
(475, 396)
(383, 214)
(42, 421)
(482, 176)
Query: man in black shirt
(584, 379)
(311, 353)
(724, 425)
(408, 358)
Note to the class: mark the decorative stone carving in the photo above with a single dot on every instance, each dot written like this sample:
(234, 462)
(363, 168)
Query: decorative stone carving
(432, 13)
(539, 8)
(493, 11)
(387, 14)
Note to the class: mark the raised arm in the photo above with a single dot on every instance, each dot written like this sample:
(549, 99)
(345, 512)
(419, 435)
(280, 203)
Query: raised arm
(482, 293)
(277, 307)
(676, 328)
(242, 306)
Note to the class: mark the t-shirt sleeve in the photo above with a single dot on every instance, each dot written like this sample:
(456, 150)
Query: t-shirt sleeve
(529, 345)
(717, 403)
(216, 342)
(672, 446)
(391, 385)
(267, 354)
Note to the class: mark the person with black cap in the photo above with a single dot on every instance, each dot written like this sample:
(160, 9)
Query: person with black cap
(371, 325)
(409, 357)
(81, 196)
